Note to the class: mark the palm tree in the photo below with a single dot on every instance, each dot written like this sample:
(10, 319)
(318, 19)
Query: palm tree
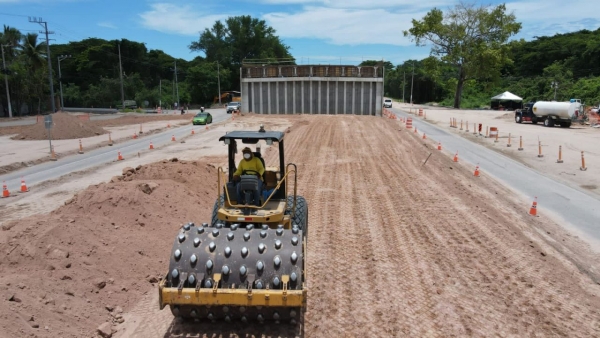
(33, 55)
(11, 37)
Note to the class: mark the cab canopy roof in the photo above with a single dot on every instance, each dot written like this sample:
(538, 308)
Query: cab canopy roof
(252, 137)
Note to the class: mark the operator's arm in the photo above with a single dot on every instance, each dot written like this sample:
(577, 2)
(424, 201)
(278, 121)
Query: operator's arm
(238, 172)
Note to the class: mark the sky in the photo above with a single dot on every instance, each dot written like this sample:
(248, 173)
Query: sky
(317, 31)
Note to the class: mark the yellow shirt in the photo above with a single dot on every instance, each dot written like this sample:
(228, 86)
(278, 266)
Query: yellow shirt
(253, 164)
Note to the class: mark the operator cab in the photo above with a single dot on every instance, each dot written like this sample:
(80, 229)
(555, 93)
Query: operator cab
(273, 171)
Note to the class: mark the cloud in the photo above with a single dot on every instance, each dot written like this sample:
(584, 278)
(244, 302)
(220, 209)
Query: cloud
(546, 18)
(106, 25)
(178, 19)
(344, 26)
(383, 4)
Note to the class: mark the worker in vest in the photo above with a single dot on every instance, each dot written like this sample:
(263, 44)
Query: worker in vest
(249, 165)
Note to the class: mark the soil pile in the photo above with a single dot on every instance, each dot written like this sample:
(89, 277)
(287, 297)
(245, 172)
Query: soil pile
(65, 127)
(85, 263)
(137, 119)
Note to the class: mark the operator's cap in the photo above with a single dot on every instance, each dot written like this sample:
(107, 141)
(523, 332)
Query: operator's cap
(247, 150)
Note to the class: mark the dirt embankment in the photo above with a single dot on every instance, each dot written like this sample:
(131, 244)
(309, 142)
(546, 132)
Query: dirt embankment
(68, 272)
(65, 126)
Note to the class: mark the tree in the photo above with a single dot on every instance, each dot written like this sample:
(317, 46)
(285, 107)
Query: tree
(34, 57)
(471, 38)
(240, 38)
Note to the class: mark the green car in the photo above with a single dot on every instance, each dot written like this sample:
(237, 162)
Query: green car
(202, 118)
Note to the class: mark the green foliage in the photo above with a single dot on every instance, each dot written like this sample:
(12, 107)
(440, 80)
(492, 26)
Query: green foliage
(239, 38)
(472, 39)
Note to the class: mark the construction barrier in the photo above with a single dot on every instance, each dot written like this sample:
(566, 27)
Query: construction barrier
(560, 160)
(583, 167)
(409, 123)
(159, 110)
(420, 112)
(493, 132)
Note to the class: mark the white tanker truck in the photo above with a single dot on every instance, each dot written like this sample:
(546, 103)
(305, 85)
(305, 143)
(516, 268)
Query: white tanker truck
(550, 113)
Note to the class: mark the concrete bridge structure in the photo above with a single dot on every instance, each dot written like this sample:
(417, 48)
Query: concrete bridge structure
(312, 89)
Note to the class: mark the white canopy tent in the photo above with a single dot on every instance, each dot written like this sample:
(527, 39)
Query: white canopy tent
(506, 96)
(506, 101)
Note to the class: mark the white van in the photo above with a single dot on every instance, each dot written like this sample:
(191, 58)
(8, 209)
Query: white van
(387, 103)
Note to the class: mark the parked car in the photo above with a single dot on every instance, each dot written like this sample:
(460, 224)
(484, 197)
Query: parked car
(232, 106)
(202, 118)
(387, 103)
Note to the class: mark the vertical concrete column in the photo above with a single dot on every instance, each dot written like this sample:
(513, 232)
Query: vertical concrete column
(302, 97)
(319, 98)
(310, 101)
(245, 92)
(262, 111)
(354, 96)
(378, 93)
(362, 98)
(345, 94)
(337, 91)
(285, 99)
(269, 101)
(371, 98)
(294, 95)
(276, 103)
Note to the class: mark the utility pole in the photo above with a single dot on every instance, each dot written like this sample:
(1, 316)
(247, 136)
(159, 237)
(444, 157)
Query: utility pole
(160, 93)
(45, 25)
(555, 86)
(412, 82)
(5, 72)
(121, 76)
(403, 85)
(60, 58)
(219, 82)
(176, 85)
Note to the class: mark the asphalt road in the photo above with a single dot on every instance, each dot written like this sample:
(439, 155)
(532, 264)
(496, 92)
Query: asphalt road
(54, 170)
(579, 209)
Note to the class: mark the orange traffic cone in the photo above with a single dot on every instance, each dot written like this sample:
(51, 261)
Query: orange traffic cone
(455, 157)
(120, 157)
(173, 138)
(5, 192)
(134, 135)
(110, 142)
(151, 146)
(424, 137)
(415, 129)
(476, 173)
(206, 127)
(23, 185)
(193, 132)
(533, 209)
(168, 125)
(439, 145)
(80, 147)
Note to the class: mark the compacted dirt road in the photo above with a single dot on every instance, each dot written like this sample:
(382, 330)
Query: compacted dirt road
(397, 248)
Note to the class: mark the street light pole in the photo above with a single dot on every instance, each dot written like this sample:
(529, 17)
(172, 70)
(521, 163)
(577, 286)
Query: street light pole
(555, 86)
(176, 85)
(60, 58)
(403, 85)
(412, 82)
(219, 82)
(121, 77)
(45, 25)
(6, 81)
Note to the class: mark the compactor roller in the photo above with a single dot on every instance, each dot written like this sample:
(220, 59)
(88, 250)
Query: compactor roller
(248, 263)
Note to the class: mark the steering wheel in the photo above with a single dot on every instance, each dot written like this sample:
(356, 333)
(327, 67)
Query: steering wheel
(250, 172)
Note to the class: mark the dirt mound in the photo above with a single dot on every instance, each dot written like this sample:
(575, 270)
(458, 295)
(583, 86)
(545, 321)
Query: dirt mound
(65, 127)
(137, 119)
(79, 266)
